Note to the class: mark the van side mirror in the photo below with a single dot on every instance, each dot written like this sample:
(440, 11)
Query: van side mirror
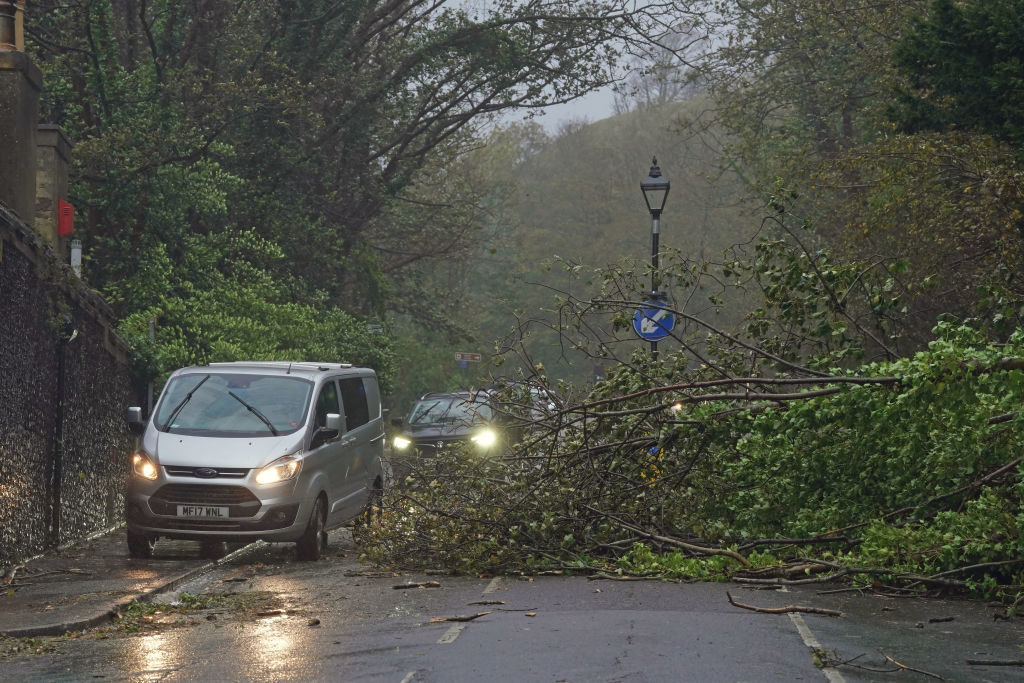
(329, 432)
(322, 435)
(396, 421)
(133, 416)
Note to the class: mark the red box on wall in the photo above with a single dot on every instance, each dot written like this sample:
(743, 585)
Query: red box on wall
(65, 218)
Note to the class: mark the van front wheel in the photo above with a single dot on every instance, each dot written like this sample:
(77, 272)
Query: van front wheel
(140, 546)
(313, 544)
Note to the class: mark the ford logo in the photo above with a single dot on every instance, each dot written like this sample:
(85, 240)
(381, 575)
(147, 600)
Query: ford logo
(205, 472)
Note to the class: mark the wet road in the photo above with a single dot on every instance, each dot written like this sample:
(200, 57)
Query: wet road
(335, 620)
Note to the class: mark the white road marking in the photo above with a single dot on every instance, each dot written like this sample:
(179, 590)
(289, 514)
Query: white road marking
(451, 634)
(408, 677)
(812, 642)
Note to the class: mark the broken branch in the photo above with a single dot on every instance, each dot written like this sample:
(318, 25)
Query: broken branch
(910, 668)
(784, 610)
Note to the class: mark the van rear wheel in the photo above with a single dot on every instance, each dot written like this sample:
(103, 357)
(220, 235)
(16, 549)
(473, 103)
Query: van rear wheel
(313, 544)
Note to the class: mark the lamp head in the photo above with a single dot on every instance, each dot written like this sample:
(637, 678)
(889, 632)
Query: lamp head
(655, 189)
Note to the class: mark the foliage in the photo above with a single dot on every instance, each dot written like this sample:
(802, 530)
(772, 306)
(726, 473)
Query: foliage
(142, 616)
(221, 304)
(327, 128)
(963, 63)
(830, 462)
(909, 465)
(808, 91)
(14, 647)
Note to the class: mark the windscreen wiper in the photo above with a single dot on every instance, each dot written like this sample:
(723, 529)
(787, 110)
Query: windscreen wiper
(254, 412)
(188, 397)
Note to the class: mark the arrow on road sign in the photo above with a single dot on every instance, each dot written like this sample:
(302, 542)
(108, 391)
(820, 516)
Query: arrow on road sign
(653, 322)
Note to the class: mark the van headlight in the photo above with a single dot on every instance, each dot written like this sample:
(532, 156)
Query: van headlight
(400, 443)
(485, 438)
(144, 467)
(282, 469)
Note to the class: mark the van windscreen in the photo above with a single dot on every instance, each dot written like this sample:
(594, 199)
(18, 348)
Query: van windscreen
(233, 404)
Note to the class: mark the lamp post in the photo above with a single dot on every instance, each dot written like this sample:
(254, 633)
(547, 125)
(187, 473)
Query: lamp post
(655, 189)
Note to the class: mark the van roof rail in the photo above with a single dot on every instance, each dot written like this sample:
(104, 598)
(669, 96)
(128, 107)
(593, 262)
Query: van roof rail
(281, 364)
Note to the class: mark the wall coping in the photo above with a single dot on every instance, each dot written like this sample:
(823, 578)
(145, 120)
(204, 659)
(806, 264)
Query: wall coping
(29, 243)
(19, 61)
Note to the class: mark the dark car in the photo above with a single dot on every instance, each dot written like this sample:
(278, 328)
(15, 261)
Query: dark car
(440, 420)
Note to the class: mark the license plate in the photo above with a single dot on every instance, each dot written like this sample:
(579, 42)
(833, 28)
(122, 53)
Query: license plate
(202, 511)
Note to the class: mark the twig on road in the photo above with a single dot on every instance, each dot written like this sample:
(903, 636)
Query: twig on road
(910, 668)
(786, 609)
(461, 617)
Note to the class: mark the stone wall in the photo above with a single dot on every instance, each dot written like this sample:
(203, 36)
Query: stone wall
(64, 386)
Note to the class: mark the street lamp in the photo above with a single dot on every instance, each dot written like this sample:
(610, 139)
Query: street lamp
(655, 189)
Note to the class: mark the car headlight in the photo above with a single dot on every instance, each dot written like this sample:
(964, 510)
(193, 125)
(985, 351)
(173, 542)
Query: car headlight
(485, 438)
(400, 443)
(282, 469)
(144, 467)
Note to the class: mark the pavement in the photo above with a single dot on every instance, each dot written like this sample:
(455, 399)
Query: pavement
(85, 584)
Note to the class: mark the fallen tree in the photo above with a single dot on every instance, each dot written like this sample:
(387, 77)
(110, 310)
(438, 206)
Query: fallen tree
(728, 457)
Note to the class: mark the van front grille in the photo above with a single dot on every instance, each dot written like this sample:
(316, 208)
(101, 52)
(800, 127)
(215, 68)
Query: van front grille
(240, 501)
(221, 472)
(197, 494)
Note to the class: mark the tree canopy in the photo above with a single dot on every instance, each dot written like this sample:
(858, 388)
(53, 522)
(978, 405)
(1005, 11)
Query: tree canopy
(320, 126)
(964, 65)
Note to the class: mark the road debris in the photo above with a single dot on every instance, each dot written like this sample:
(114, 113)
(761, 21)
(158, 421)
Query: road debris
(785, 610)
(904, 667)
(14, 579)
(10, 573)
(461, 617)
(419, 584)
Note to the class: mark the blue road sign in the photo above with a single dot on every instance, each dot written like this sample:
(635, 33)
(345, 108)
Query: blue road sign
(652, 323)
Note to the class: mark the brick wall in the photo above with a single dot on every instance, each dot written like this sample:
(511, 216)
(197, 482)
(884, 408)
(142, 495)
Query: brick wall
(64, 385)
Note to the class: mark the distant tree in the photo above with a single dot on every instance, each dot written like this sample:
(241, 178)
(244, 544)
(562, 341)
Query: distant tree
(964, 64)
(806, 88)
(664, 74)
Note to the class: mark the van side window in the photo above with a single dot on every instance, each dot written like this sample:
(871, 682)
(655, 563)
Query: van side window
(327, 402)
(353, 394)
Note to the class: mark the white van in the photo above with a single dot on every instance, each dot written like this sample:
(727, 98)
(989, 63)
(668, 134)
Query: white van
(242, 451)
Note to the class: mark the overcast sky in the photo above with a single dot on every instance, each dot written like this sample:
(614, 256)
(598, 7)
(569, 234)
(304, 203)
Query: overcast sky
(594, 107)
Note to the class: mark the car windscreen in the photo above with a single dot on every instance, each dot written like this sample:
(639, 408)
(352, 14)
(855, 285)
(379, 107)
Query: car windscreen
(449, 410)
(233, 405)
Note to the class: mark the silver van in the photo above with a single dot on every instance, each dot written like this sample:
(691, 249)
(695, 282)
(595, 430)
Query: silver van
(242, 451)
